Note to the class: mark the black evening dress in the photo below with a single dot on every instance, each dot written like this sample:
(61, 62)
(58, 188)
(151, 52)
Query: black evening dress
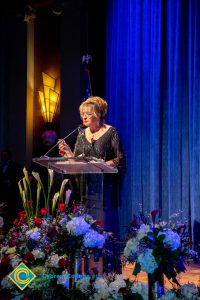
(107, 147)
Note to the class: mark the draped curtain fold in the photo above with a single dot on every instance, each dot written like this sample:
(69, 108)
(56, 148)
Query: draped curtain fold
(153, 92)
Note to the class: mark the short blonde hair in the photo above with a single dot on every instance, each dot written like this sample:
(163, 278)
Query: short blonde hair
(99, 105)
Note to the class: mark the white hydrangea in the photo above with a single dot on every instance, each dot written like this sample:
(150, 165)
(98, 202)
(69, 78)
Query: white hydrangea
(83, 284)
(142, 231)
(14, 262)
(132, 247)
(117, 284)
(52, 261)
(172, 239)
(38, 254)
(101, 287)
(77, 226)
(141, 289)
(169, 295)
(189, 291)
(147, 261)
(93, 239)
(6, 283)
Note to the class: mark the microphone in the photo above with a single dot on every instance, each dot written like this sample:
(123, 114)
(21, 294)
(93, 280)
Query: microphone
(79, 128)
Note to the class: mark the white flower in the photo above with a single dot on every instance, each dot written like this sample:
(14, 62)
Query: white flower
(141, 289)
(147, 261)
(14, 262)
(34, 234)
(131, 249)
(77, 226)
(83, 284)
(38, 254)
(142, 231)
(11, 250)
(161, 224)
(172, 239)
(93, 239)
(117, 284)
(101, 287)
(6, 283)
(169, 295)
(52, 261)
(189, 291)
(1, 222)
(64, 279)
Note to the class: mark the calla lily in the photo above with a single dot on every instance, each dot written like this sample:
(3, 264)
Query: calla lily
(67, 196)
(37, 177)
(51, 173)
(20, 188)
(26, 175)
(54, 201)
(62, 187)
(25, 184)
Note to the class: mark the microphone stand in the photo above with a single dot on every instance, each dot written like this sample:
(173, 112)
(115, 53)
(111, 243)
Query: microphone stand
(63, 139)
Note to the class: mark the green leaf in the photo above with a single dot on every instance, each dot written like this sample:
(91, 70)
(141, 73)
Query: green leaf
(137, 269)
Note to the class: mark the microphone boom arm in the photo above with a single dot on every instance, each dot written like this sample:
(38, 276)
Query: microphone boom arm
(63, 139)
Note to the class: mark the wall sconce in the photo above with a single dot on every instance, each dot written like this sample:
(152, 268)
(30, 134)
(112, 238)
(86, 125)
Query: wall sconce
(48, 98)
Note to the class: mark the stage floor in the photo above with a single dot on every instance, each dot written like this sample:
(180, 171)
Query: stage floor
(192, 275)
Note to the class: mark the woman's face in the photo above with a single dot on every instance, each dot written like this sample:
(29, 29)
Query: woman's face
(89, 117)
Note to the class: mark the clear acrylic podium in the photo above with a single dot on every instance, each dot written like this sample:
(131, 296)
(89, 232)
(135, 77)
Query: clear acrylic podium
(90, 174)
(89, 171)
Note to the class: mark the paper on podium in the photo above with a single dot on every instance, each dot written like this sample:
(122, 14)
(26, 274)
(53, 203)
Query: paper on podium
(75, 165)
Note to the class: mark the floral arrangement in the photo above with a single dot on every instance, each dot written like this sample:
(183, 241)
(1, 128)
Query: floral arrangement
(49, 240)
(115, 286)
(158, 249)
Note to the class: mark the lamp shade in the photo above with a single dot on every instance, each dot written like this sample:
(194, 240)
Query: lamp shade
(49, 98)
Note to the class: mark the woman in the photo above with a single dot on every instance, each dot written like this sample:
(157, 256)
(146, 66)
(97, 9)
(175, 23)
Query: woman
(101, 141)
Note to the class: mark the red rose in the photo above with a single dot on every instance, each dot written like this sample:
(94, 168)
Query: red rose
(44, 211)
(123, 291)
(28, 256)
(24, 298)
(99, 223)
(15, 222)
(62, 262)
(22, 215)
(38, 221)
(153, 215)
(5, 260)
(61, 206)
(52, 232)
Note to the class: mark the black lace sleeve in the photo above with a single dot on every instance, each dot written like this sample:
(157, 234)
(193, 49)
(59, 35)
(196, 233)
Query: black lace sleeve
(79, 145)
(118, 152)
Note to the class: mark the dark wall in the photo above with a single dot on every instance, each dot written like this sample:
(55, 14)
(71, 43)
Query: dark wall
(13, 86)
(80, 28)
(82, 31)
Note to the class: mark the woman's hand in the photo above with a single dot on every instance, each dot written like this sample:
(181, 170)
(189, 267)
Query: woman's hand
(111, 163)
(64, 149)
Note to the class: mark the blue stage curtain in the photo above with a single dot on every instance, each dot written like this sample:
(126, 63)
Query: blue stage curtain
(153, 92)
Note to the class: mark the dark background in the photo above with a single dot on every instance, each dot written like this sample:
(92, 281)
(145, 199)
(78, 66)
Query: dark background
(64, 31)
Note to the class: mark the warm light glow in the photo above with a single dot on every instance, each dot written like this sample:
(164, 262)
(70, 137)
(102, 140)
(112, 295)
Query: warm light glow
(49, 98)
(48, 81)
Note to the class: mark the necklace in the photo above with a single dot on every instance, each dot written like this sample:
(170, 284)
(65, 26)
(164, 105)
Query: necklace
(96, 134)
